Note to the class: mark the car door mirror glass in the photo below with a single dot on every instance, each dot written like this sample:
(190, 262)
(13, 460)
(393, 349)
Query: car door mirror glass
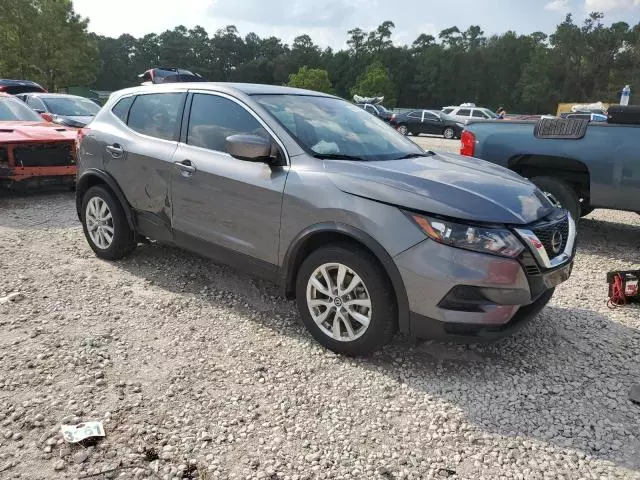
(252, 148)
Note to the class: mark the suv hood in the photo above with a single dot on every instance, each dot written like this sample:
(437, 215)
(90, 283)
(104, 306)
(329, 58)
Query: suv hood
(19, 132)
(444, 184)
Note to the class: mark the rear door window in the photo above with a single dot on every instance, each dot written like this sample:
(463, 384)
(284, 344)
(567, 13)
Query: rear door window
(464, 112)
(478, 114)
(157, 115)
(214, 118)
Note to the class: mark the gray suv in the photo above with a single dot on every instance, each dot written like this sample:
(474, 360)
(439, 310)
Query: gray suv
(368, 232)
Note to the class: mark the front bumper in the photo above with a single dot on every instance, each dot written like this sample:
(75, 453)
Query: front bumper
(454, 292)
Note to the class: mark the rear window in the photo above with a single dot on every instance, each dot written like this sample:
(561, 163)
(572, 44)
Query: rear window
(478, 114)
(121, 109)
(16, 89)
(156, 115)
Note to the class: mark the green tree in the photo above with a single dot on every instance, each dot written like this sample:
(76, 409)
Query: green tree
(311, 79)
(375, 82)
(48, 42)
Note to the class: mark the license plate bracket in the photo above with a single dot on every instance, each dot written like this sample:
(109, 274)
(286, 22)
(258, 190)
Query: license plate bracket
(555, 278)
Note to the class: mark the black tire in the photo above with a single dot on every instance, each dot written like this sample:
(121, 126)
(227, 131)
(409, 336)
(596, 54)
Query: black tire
(403, 129)
(124, 238)
(449, 133)
(384, 312)
(565, 195)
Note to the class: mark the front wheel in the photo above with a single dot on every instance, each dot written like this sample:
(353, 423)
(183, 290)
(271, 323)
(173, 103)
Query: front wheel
(560, 193)
(449, 133)
(345, 300)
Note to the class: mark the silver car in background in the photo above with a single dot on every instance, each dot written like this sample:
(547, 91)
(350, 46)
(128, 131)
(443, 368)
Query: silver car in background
(369, 233)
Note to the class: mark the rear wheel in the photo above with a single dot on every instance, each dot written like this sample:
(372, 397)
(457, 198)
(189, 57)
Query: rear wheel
(403, 129)
(449, 133)
(105, 224)
(560, 193)
(345, 300)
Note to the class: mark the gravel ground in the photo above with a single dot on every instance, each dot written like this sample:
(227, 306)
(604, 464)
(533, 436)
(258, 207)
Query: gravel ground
(432, 142)
(200, 372)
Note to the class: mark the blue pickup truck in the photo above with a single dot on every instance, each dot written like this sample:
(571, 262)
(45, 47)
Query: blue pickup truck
(581, 165)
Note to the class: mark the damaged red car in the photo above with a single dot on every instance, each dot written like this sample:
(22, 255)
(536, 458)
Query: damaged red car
(33, 152)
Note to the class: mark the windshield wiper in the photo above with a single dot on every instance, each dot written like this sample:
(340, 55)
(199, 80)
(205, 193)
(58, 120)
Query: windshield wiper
(428, 153)
(336, 156)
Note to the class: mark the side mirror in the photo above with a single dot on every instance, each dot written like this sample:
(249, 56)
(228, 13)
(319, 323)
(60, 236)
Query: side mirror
(252, 148)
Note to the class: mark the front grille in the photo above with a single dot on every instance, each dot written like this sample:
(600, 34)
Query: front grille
(546, 235)
(44, 155)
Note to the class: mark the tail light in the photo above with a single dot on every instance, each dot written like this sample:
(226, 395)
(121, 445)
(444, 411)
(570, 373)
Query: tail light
(468, 146)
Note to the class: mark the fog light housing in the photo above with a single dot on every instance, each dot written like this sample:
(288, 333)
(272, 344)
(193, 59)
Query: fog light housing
(467, 298)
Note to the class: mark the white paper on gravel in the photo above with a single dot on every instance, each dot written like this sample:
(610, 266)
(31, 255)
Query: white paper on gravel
(76, 433)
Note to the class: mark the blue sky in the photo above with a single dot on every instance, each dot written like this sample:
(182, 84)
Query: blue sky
(327, 21)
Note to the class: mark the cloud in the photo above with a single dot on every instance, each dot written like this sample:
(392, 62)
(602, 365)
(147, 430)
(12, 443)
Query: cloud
(298, 13)
(609, 5)
(558, 6)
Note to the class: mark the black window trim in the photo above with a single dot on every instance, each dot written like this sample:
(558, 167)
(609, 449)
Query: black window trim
(434, 117)
(184, 126)
(418, 112)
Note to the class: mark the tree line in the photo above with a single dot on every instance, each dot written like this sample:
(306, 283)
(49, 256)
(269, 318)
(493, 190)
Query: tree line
(46, 41)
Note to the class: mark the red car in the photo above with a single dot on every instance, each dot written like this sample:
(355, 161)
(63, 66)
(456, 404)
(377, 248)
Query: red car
(32, 151)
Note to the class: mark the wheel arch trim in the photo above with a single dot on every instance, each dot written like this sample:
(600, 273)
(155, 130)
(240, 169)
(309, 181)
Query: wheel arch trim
(292, 259)
(82, 185)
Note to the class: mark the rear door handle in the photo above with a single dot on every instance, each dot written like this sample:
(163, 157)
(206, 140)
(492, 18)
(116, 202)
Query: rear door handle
(115, 150)
(186, 166)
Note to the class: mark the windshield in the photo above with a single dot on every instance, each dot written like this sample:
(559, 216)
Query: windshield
(489, 112)
(71, 107)
(12, 109)
(334, 128)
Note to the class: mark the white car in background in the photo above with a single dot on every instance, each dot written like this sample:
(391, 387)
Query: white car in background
(467, 111)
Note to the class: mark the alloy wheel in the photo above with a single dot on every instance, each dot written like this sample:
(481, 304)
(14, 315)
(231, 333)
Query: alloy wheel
(99, 223)
(339, 302)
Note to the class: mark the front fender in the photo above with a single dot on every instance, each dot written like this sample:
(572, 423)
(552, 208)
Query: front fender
(291, 261)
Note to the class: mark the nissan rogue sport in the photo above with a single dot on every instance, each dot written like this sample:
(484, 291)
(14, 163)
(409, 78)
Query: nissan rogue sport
(368, 232)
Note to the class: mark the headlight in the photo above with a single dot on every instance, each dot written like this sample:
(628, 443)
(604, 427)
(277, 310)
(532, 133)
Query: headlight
(479, 239)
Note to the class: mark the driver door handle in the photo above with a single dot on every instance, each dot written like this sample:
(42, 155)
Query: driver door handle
(186, 166)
